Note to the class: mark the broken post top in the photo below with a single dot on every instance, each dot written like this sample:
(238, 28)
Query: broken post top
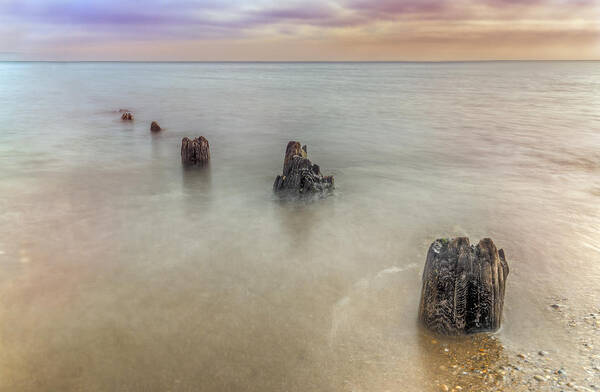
(154, 127)
(463, 286)
(195, 152)
(300, 176)
(127, 116)
(293, 148)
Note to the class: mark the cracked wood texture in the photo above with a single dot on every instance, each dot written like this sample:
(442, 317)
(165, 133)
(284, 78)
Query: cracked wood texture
(300, 176)
(463, 287)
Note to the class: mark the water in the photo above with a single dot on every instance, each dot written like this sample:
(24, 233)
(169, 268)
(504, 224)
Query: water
(119, 270)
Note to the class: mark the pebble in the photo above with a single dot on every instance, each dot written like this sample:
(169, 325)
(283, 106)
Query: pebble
(521, 355)
(538, 377)
(444, 388)
(543, 353)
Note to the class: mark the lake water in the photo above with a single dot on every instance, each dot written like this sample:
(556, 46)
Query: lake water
(121, 271)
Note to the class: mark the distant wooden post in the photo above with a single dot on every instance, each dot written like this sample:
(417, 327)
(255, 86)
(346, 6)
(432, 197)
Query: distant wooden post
(127, 116)
(195, 152)
(154, 127)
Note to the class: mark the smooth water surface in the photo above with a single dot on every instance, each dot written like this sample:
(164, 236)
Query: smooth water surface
(121, 271)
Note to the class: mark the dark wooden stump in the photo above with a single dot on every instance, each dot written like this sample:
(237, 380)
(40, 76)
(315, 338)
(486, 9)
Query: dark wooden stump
(154, 127)
(463, 287)
(127, 116)
(300, 176)
(195, 152)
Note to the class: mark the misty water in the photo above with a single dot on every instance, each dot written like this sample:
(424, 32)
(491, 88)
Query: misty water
(121, 271)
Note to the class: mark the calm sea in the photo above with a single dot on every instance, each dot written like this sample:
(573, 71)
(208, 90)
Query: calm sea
(120, 271)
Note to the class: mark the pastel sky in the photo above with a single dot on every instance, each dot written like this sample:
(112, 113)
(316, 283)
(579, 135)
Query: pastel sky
(263, 30)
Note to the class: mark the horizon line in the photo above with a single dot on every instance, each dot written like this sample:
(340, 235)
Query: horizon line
(298, 61)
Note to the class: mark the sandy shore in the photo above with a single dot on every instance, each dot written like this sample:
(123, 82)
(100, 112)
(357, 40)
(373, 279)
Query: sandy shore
(482, 363)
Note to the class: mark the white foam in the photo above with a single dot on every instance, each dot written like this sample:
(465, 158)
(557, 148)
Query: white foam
(395, 269)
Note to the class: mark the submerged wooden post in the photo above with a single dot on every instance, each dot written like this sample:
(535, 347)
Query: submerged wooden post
(300, 176)
(154, 127)
(127, 116)
(195, 152)
(463, 287)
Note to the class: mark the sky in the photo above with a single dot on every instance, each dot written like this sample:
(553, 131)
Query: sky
(288, 30)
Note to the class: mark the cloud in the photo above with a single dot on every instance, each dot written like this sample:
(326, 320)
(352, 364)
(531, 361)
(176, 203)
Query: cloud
(109, 12)
(395, 7)
(40, 25)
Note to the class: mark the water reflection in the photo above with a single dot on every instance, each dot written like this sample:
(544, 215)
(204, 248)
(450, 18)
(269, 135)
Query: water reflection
(197, 189)
(299, 219)
(197, 179)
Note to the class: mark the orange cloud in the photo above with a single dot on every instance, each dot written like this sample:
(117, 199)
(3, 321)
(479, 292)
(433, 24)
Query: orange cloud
(290, 30)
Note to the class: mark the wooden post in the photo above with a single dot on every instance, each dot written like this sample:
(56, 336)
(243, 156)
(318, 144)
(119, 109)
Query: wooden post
(195, 152)
(300, 176)
(463, 287)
